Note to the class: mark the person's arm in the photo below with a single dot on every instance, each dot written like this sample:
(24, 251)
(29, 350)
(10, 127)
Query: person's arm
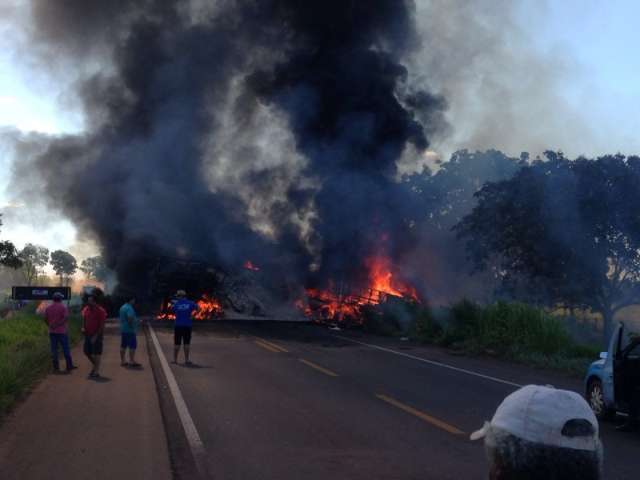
(82, 318)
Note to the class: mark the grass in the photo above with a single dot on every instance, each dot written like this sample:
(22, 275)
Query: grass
(24, 354)
(514, 331)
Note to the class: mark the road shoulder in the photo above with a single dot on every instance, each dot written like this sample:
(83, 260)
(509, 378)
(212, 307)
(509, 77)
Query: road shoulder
(72, 427)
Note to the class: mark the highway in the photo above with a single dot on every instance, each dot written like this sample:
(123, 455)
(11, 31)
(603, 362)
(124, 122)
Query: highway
(286, 401)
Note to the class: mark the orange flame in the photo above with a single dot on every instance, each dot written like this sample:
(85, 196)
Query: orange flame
(208, 308)
(329, 305)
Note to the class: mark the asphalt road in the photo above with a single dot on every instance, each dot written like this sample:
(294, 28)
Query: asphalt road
(282, 401)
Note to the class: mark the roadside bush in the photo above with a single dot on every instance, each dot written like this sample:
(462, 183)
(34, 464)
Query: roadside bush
(425, 328)
(517, 331)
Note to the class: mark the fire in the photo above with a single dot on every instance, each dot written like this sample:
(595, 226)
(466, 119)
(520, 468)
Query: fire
(334, 304)
(250, 266)
(208, 308)
(382, 279)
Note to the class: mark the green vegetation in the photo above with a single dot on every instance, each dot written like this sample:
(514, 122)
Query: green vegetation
(515, 331)
(24, 353)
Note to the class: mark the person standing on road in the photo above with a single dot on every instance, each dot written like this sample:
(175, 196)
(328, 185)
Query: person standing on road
(542, 433)
(93, 320)
(56, 317)
(182, 308)
(128, 329)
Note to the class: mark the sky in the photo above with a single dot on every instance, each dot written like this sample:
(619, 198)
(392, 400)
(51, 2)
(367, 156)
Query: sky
(594, 42)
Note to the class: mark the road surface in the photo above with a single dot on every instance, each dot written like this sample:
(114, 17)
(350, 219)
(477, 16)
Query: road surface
(281, 401)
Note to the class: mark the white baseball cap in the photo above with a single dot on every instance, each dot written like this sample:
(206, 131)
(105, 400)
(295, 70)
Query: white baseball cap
(547, 416)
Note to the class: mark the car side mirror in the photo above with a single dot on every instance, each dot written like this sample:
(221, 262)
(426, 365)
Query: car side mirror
(603, 355)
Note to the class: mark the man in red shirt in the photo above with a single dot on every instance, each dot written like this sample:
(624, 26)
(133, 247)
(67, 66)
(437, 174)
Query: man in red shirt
(55, 316)
(93, 319)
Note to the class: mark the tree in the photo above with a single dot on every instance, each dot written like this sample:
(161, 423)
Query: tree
(64, 264)
(564, 232)
(34, 258)
(95, 268)
(8, 254)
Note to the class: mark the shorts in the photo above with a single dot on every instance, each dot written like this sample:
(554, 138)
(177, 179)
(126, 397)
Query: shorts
(180, 334)
(93, 349)
(128, 340)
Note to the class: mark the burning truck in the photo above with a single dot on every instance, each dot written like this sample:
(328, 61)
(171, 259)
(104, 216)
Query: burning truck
(265, 134)
(221, 294)
(343, 303)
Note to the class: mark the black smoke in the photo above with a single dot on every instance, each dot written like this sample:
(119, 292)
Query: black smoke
(177, 77)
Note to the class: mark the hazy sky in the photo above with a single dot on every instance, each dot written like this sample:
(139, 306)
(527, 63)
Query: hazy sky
(594, 42)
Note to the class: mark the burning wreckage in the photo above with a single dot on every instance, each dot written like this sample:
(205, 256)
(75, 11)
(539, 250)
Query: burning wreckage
(244, 294)
(272, 131)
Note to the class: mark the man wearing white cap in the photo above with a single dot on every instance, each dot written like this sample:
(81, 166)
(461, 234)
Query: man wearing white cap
(182, 308)
(542, 433)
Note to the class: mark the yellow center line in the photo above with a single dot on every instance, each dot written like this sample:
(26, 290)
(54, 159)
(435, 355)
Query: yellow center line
(274, 345)
(266, 347)
(427, 418)
(318, 368)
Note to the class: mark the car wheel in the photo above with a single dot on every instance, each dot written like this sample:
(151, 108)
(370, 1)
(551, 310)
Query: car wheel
(595, 397)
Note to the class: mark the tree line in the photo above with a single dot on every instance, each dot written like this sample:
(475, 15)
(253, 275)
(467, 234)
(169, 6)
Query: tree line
(552, 231)
(32, 261)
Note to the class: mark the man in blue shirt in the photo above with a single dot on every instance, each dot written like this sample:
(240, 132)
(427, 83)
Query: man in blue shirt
(128, 329)
(182, 309)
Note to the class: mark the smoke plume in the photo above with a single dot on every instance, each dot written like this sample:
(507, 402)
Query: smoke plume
(230, 130)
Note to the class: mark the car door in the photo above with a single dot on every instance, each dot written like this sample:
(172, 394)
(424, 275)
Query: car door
(612, 382)
(628, 377)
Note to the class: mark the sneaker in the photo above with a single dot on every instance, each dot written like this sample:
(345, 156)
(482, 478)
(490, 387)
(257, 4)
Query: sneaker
(124, 364)
(72, 367)
(93, 374)
(188, 362)
(135, 365)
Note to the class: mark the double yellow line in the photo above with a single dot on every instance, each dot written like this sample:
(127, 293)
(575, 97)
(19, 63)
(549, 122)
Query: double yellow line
(275, 348)
(272, 347)
(421, 415)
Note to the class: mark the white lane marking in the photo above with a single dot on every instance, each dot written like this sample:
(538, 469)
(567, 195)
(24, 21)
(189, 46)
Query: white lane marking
(190, 430)
(432, 362)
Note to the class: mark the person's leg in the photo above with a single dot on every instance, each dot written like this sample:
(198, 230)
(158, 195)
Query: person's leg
(53, 340)
(64, 341)
(187, 345)
(123, 349)
(177, 340)
(88, 351)
(97, 355)
(133, 345)
(96, 364)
